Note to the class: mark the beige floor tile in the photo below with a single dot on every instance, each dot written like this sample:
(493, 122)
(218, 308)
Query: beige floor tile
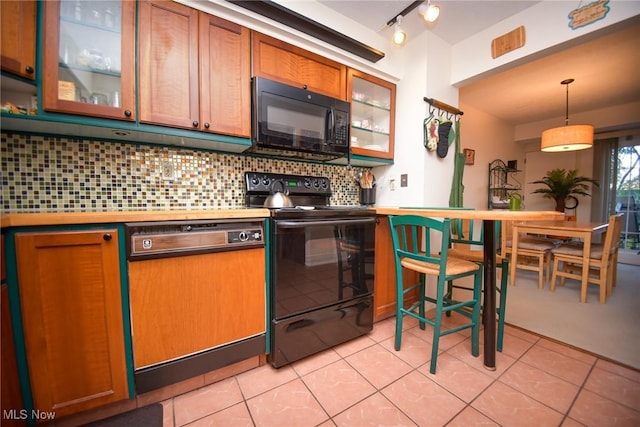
(469, 417)
(615, 387)
(383, 330)
(235, 416)
(206, 400)
(510, 407)
(423, 400)
(546, 388)
(378, 365)
(338, 386)
(623, 371)
(414, 351)
(375, 411)
(461, 379)
(290, 405)
(354, 346)
(521, 333)
(463, 352)
(514, 345)
(557, 364)
(315, 361)
(167, 413)
(591, 409)
(567, 351)
(263, 379)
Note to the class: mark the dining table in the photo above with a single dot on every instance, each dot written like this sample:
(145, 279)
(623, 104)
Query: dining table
(581, 230)
(488, 218)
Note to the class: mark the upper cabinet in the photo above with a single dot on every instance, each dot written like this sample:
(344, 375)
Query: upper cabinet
(18, 34)
(373, 105)
(193, 70)
(89, 58)
(283, 62)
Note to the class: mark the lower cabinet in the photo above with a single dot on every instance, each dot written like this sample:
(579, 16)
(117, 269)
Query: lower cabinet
(71, 302)
(384, 295)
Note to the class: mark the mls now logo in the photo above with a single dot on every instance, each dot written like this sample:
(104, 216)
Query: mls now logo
(23, 414)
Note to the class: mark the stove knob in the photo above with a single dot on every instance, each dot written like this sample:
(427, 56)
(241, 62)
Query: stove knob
(265, 181)
(243, 236)
(315, 183)
(255, 180)
(307, 183)
(325, 184)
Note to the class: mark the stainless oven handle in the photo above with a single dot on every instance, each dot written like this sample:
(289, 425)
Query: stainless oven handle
(301, 224)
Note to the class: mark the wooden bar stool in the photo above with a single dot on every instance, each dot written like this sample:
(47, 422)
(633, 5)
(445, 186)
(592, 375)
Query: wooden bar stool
(408, 232)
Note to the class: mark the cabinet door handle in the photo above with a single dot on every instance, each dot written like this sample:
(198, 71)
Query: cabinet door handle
(207, 125)
(127, 113)
(29, 69)
(195, 124)
(106, 237)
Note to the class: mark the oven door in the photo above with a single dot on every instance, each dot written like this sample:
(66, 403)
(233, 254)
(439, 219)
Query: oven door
(317, 263)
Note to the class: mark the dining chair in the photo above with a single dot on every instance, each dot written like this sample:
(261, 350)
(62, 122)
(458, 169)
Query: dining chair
(410, 234)
(462, 241)
(603, 262)
(534, 253)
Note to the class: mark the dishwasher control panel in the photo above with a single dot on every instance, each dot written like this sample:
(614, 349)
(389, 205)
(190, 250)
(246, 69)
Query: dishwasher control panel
(181, 238)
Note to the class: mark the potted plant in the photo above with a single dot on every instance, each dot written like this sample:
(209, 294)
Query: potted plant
(562, 184)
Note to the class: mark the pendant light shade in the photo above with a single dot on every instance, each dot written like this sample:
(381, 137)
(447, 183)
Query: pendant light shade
(567, 138)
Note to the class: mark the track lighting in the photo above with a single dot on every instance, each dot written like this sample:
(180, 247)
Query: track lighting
(429, 12)
(399, 36)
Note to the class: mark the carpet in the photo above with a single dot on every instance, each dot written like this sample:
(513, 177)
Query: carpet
(147, 416)
(611, 330)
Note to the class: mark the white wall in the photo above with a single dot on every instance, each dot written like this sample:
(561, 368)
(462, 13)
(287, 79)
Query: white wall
(546, 27)
(426, 73)
(491, 139)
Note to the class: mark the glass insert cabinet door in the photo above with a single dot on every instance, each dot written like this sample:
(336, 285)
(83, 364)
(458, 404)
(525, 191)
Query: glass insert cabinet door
(372, 115)
(89, 58)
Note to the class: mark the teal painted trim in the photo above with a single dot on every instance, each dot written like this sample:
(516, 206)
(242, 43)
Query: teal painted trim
(16, 325)
(113, 124)
(126, 313)
(39, 52)
(267, 254)
(372, 159)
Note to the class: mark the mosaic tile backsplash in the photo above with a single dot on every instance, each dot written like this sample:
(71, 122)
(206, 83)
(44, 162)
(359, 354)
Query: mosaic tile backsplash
(55, 174)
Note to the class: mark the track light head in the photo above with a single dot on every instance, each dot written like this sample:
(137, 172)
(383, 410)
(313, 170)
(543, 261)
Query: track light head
(399, 36)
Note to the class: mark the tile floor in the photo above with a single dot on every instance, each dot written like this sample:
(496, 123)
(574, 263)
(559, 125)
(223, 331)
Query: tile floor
(365, 382)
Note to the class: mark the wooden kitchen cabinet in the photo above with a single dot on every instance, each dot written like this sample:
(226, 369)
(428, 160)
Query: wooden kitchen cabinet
(89, 58)
(70, 295)
(18, 34)
(193, 70)
(384, 295)
(373, 106)
(283, 62)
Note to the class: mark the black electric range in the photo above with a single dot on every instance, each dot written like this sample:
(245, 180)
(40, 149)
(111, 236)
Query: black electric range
(321, 266)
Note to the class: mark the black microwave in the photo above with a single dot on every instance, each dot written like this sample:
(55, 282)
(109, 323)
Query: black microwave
(289, 121)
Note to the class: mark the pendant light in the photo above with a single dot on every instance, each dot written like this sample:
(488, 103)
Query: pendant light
(399, 36)
(567, 138)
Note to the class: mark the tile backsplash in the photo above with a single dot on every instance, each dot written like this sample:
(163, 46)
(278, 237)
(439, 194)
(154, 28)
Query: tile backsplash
(57, 174)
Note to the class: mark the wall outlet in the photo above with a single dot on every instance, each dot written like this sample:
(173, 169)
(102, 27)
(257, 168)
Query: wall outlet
(168, 172)
(404, 180)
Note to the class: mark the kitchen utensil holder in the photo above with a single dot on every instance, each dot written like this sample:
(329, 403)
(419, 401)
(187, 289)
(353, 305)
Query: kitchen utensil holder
(367, 196)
